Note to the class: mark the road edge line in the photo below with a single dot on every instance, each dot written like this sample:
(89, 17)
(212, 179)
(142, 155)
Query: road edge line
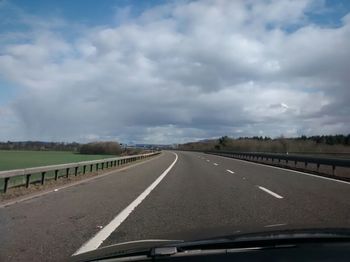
(94, 242)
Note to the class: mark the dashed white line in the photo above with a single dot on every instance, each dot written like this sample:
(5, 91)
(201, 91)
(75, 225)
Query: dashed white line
(270, 192)
(215, 164)
(293, 171)
(230, 171)
(276, 225)
(104, 233)
(208, 160)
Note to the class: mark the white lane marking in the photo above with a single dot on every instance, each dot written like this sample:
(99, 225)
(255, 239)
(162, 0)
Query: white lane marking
(270, 192)
(292, 171)
(276, 225)
(208, 160)
(215, 164)
(230, 171)
(104, 233)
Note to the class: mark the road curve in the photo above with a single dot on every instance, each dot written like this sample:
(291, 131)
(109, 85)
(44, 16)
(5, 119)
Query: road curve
(200, 196)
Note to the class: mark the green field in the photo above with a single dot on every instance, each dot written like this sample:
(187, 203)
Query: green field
(22, 159)
(11, 159)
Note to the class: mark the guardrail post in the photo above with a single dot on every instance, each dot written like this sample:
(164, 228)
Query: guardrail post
(67, 172)
(76, 170)
(6, 182)
(333, 171)
(43, 177)
(84, 169)
(107, 164)
(295, 163)
(318, 167)
(305, 164)
(91, 167)
(27, 180)
(97, 167)
(56, 174)
(103, 165)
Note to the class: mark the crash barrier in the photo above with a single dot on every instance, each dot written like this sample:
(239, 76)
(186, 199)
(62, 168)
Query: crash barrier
(27, 176)
(275, 158)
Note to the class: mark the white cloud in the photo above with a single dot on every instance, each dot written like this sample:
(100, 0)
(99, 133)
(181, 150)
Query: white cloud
(182, 71)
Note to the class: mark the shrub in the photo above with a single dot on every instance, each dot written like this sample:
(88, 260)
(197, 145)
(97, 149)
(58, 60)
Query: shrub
(101, 148)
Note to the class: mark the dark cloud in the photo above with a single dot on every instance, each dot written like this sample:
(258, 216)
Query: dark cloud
(181, 71)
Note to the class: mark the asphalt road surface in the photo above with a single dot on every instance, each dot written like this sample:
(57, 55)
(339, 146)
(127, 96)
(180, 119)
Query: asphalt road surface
(177, 195)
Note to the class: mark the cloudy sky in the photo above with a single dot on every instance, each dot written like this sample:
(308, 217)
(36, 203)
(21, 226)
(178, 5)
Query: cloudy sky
(173, 71)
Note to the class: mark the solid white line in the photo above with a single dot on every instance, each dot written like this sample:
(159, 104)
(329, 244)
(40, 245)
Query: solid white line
(270, 192)
(230, 171)
(104, 233)
(292, 171)
(215, 164)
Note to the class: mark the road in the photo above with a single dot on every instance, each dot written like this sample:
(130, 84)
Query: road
(177, 195)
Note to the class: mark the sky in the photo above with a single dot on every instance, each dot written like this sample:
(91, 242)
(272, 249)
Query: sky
(173, 71)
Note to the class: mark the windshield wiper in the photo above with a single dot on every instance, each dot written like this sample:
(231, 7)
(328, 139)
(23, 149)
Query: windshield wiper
(158, 248)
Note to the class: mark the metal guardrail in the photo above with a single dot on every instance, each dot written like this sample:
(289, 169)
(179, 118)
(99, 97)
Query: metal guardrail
(85, 165)
(333, 162)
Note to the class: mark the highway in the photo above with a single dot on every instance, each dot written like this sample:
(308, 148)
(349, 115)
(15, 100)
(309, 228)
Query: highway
(176, 195)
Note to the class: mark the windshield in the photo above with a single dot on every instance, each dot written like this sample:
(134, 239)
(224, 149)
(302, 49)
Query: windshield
(170, 120)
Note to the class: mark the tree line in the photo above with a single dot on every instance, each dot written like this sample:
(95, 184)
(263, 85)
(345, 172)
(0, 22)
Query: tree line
(302, 144)
(108, 148)
(39, 145)
(94, 148)
(323, 139)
